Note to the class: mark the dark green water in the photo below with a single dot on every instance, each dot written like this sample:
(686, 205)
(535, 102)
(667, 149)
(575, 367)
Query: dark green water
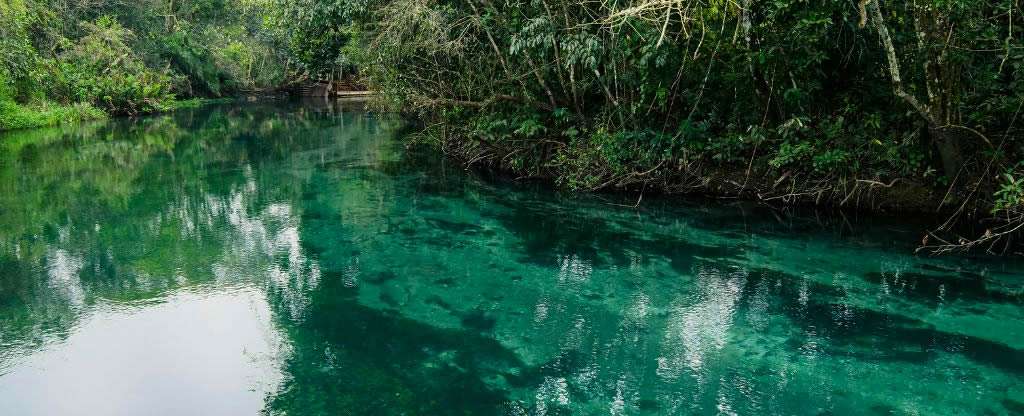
(293, 260)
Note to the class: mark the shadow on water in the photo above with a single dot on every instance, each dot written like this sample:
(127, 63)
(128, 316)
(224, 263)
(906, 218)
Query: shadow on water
(934, 290)
(871, 335)
(351, 359)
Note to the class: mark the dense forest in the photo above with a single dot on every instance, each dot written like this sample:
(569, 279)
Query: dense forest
(88, 58)
(911, 105)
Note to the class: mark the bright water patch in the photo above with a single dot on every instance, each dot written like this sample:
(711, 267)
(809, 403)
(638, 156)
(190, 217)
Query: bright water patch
(300, 260)
(216, 351)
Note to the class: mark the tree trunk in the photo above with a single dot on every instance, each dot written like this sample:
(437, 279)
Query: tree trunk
(936, 110)
(947, 143)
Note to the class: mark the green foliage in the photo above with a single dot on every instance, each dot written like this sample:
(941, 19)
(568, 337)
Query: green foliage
(317, 33)
(104, 70)
(790, 153)
(18, 61)
(14, 116)
(1010, 195)
(618, 89)
(131, 57)
(201, 76)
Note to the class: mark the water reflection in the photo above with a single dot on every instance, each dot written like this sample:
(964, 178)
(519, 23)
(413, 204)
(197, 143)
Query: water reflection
(294, 259)
(229, 363)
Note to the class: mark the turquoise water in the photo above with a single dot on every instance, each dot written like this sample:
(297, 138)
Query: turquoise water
(292, 259)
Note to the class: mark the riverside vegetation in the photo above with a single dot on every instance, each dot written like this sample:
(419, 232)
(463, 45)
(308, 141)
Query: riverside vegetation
(88, 58)
(903, 105)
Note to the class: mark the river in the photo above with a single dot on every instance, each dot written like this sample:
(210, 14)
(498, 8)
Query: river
(296, 259)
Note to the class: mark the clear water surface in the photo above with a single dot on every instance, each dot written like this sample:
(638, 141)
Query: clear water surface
(299, 260)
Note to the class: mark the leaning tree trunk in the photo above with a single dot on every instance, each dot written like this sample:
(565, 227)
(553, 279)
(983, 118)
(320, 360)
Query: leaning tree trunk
(939, 75)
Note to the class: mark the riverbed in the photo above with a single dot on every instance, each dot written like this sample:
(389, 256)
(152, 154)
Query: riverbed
(297, 259)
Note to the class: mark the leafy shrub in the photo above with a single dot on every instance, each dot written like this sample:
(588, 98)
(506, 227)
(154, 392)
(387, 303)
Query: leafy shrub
(104, 70)
(1010, 195)
(193, 60)
(831, 160)
(18, 75)
(14, 116)
(791, 153)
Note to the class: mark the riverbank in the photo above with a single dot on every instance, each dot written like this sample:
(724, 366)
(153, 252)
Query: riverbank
(895, 107)
(962, 219)
(15, 116)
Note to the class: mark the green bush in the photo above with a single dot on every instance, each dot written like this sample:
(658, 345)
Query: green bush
(193, 60)
(18, 59)
(129, 57)
(102, 69)
(14, 116)
(1010, 195)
